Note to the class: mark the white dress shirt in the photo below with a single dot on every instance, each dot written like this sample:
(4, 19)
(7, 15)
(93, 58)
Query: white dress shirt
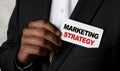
(61, 9)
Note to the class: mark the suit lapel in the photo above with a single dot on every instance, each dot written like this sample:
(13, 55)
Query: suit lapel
(32, 10)
(59, 58)
(84, 12)
(47, 8)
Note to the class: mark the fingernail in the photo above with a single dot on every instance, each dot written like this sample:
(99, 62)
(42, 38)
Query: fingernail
(58, 33)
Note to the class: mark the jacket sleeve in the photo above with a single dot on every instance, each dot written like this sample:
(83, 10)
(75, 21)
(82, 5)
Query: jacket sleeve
(9, 48)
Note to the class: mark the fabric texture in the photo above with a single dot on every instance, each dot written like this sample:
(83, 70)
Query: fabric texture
(104, 14)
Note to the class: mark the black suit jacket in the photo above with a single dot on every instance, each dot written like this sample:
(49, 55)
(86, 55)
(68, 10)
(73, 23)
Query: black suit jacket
(104, 14)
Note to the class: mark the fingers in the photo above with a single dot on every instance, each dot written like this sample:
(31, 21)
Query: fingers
(43, 33)
(40, 38)
(35, 50)
(46, 25)
(38, 42)
(28, 53)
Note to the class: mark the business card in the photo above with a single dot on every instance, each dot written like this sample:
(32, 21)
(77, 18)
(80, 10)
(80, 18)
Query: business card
(81, 34)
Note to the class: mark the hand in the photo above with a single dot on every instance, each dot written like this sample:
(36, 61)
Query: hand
(39, 39)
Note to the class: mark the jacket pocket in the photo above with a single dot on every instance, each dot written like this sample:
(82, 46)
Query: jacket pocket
(82, 52)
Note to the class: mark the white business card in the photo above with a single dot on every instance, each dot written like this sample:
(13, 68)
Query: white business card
(81, 34)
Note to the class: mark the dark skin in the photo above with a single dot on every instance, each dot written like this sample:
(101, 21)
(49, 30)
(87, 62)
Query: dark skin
(40, 38)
